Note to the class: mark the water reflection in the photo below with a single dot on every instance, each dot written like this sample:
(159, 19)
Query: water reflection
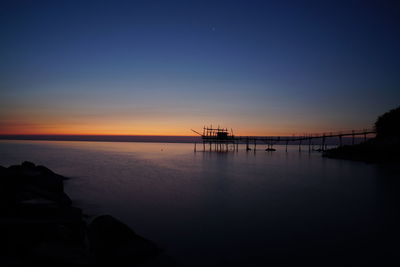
(232, 208)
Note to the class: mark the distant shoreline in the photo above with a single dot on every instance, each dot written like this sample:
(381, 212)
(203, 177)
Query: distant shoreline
(139, 138)
(105, 138)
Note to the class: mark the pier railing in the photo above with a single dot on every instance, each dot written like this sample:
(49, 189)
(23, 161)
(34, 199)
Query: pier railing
(223, 142)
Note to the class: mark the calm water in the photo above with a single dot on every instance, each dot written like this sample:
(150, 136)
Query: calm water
(230, 209)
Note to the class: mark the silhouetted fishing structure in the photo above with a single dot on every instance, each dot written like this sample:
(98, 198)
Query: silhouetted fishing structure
(221, 139)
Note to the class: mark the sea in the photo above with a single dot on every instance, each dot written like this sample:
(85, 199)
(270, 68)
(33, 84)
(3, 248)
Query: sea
(235, 208)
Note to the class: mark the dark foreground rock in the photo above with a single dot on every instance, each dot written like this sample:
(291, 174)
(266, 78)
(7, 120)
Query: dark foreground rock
(114, 242)
(39, 227)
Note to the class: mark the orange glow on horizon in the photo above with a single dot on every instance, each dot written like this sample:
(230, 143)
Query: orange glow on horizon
(149, 131)
(50, 124)
(143, 132)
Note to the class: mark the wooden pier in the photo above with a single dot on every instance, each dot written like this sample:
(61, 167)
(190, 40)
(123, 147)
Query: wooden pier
(220, 139)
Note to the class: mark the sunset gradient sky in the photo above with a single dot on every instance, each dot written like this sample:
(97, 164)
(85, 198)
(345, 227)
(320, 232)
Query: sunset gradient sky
(164, 67)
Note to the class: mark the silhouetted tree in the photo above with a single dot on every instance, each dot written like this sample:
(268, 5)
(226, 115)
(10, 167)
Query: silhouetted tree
(388, 124)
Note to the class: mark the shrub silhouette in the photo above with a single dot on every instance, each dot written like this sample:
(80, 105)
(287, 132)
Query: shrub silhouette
(388, 124)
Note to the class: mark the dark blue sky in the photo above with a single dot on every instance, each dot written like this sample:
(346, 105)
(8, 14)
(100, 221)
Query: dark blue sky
(163, 67)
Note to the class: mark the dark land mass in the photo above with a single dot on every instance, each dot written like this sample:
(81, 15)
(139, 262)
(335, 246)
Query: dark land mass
(385, 147)
(375, 150)
(40, 227)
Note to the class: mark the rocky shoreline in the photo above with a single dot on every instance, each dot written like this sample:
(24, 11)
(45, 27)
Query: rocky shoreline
(375, 150)
(383, 148)
(41, 227)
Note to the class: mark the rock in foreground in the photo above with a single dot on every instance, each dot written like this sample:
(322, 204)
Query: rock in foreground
(39, 227)
(113, 242)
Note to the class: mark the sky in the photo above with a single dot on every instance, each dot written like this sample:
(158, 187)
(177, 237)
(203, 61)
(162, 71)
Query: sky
(165, 67)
